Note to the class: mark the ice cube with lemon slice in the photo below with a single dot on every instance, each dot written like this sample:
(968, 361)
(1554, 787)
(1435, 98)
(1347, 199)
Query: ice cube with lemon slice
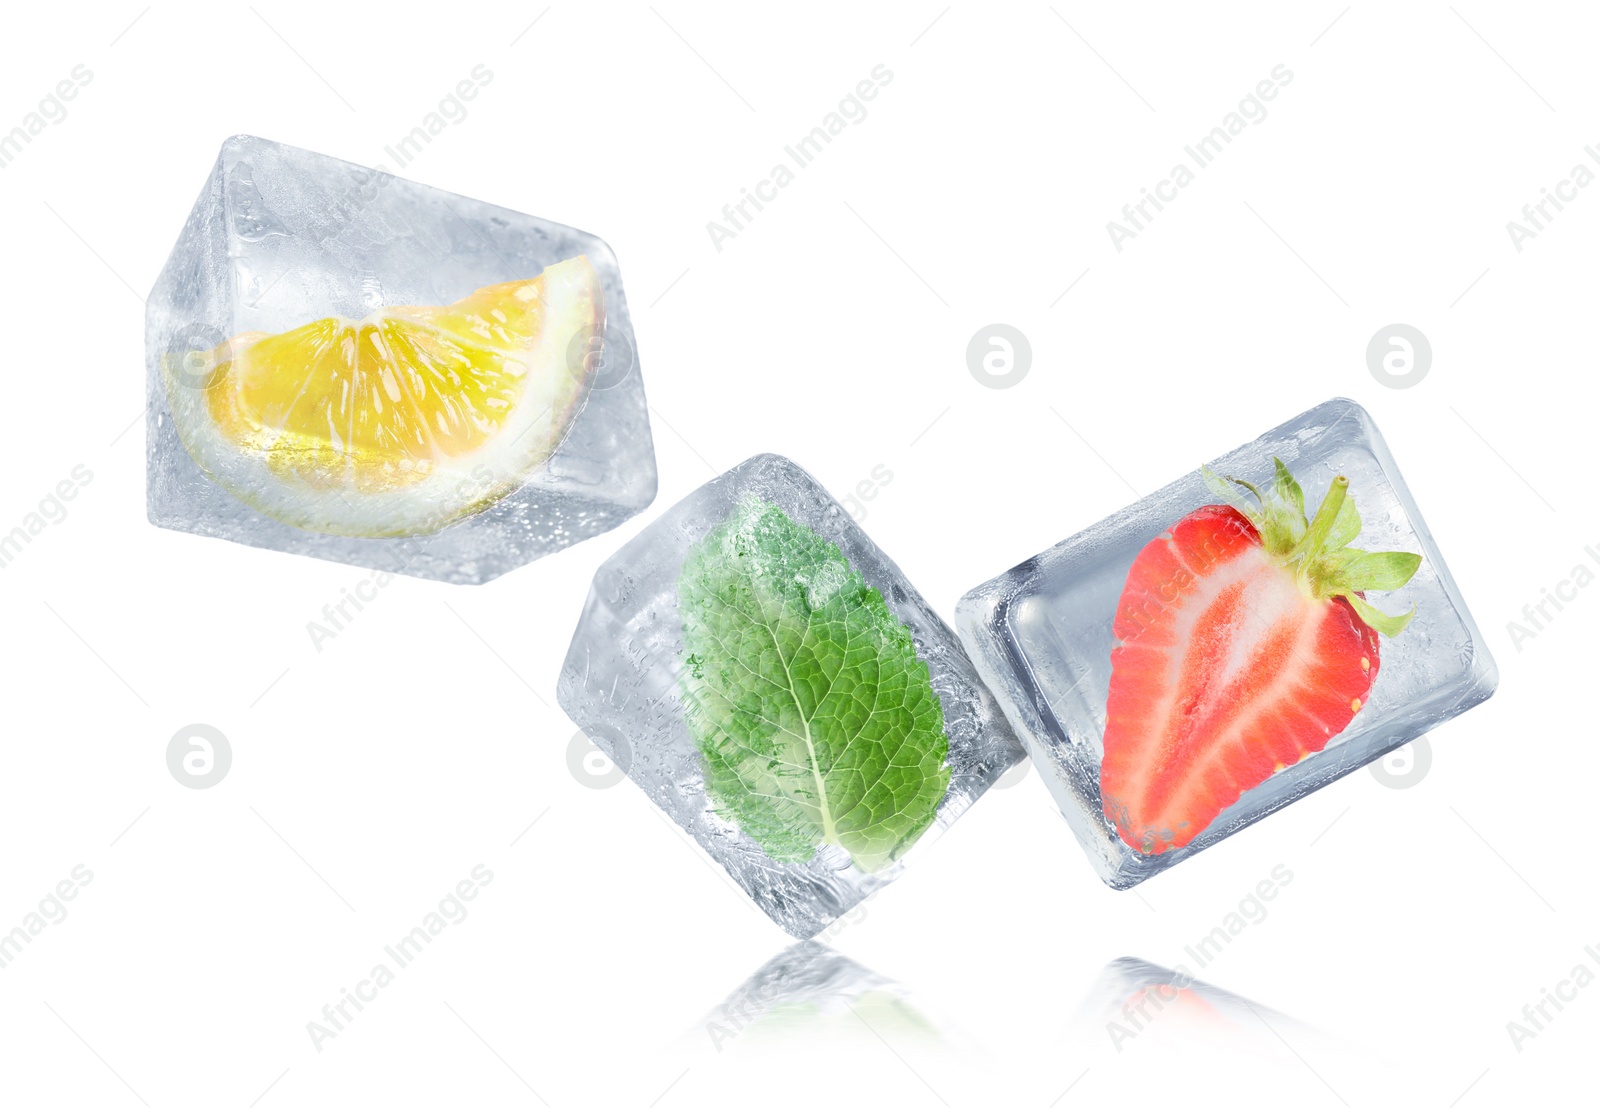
(349, 365)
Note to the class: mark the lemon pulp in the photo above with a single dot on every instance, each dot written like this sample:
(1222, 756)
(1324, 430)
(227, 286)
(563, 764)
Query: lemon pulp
(403, 421)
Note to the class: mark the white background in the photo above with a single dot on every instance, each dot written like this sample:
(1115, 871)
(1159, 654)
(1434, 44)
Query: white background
(370, 777)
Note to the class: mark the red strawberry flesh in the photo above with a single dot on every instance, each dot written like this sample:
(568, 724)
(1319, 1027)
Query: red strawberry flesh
(1225, 670)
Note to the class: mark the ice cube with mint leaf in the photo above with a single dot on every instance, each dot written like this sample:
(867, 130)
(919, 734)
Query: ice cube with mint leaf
(771, 680)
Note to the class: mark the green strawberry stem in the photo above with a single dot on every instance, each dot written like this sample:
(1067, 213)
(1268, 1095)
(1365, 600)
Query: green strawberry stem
(1318, 552)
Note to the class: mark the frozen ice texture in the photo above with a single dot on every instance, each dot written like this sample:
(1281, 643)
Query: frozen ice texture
(1041, 634)
(620, 685)
(280, 237)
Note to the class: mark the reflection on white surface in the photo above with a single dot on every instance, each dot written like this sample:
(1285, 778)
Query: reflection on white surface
(1133, 999)
(811, 990)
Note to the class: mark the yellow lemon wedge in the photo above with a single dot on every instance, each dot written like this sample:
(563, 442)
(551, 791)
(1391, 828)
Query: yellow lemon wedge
(402, 422)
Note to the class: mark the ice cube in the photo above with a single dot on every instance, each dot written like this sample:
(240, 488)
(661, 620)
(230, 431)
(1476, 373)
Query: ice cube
(280, 238)
(840, 722)
(1042, 638)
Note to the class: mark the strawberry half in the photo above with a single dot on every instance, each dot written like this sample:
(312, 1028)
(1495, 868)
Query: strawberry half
(1243, 644)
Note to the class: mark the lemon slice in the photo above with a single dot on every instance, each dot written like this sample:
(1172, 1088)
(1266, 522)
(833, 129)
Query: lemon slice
(402, 422)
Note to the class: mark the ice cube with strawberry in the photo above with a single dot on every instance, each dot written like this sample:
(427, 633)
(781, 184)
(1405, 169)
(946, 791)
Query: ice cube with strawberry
(1243, 643)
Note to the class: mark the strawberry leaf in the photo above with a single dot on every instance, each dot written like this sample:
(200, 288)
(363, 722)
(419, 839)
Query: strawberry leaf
(1224, 491)
(1318, 552)
(1346, 525)
(1314, 542)
(1288, 489)
(1387, 625)
(815, 719)
(1379, 572)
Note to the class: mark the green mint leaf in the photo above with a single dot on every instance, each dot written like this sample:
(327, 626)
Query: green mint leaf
(815, 719)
